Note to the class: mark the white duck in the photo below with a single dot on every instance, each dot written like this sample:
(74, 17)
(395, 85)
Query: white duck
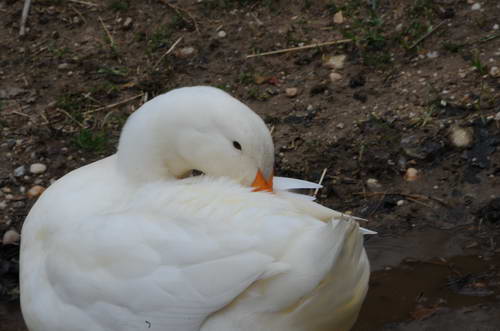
(131, 243)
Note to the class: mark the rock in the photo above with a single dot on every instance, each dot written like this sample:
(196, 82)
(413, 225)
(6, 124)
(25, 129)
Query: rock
(291, 92)
(400, 202)
(128, 23)
(496, 27)
(335, 76)
(494, 72)
(10, 237)
(310, 108)
(338, 18)
(411, 175)
(221, 34)
(19, 171)
(461, 137)
(63, 66)
(476, 6)
(334, 62)
(433, 55)
(38, 168)
(373, 183)
(420, 147)
(3, 205)
(185, 52)
(340, 125)
(35, 191)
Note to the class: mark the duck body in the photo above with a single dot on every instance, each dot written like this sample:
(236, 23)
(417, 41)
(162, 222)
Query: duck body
(104, 251)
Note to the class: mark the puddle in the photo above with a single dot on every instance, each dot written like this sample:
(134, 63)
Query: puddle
(420, 281)
(424, 274)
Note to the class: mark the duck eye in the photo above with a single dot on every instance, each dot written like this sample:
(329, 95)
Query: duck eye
(237, 145)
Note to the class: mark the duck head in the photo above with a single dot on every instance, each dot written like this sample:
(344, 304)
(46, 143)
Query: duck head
(197, 128)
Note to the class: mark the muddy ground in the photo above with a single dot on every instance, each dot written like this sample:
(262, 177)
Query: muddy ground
(418, 89)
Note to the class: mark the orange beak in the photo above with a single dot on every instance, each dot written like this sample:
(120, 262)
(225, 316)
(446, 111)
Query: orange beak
(261, 184)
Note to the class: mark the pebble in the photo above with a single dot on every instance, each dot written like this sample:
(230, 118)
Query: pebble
(10, 237)
(335, 62)
(338, 18)
(340, 125)
(476, 6)
(400, 202)
(433, 55)
(185, 52)
(128, 23)
(411, 175)
(19, 171)
(461, 137)
(310, 107)
(35, 191)
(222, 34)
(494, 72)
(63, 66)
(496, 27)
(373, 183)
(38, 168)
(291, 92)
(335, 76)
(3, 205)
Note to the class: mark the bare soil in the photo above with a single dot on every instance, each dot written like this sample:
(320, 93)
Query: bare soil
(418, 89)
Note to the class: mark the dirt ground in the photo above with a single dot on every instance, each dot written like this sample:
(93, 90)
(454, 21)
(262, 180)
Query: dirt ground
(405, 117)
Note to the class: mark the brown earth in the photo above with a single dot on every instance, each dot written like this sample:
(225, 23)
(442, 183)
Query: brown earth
(418, 89)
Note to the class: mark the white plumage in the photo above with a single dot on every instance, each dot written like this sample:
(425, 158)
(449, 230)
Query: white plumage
(131, 243)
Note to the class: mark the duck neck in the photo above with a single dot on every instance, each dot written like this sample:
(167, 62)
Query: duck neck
(141, 156)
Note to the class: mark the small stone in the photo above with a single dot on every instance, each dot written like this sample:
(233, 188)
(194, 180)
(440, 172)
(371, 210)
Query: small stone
(340, 125)
(400, 202)
(411, 175)
(3, 205)
(373, 183)
(399, 27)
(291, 92)
(10, 237)
(494, 72)
(19, 171)
(185, 52)
(222, 34)
(433, 55)
(38, 168)
(461, 137)
(35, 191)
(335, 76)
(310, 108)
(128, 23)
(335, 62)
(338, 18)
(476, 6)
(496, 27)
(63, 66)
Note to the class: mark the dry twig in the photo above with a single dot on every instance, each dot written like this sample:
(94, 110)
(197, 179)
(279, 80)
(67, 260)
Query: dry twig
(412, 197)
(114, 104)
(167, 52)
(179, 11)
(111, 40)
(86, 3)
(320, 181)
(294, 49)
(427, 35)
(24, 17)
